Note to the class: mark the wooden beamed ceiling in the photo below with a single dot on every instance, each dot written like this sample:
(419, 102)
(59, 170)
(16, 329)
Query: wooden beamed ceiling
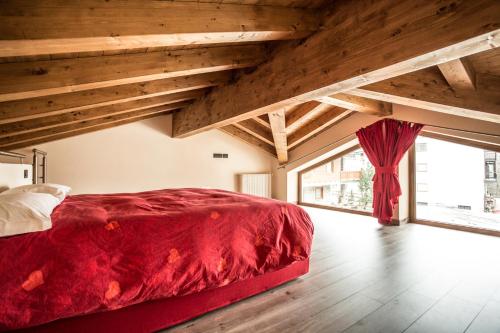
(53, 27)
(68, 68)
(357, 46)
(73, 68)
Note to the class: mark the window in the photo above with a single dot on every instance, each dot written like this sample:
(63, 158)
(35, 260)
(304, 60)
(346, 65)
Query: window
(422, 187)
(421, 167)
(490, 155)
(490, 170)
(344, 181)
(459, 185)
(318, 193)
(421, 147)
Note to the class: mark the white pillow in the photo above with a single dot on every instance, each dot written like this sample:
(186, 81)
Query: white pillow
(26, 212)
(59, 191)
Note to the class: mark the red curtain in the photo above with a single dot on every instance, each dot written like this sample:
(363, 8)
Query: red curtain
(385, 143)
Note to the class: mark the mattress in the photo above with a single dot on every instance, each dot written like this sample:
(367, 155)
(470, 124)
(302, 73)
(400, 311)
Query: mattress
(106, 252)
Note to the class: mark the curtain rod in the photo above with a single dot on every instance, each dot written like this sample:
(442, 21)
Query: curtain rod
(345, 137)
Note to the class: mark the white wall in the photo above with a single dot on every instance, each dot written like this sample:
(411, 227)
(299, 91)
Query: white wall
(142, 156)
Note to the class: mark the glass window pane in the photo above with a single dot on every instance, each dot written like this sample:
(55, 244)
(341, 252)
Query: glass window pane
(457, 185)
(345, 182)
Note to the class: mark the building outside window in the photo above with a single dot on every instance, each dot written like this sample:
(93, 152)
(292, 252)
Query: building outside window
(345, 182)
(456, 184)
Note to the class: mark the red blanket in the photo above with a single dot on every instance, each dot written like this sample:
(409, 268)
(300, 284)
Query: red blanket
(109, 251)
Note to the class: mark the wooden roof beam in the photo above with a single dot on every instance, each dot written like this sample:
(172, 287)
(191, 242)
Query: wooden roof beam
(300, 114)
(277, 121)
(248, 138)
(34, 27)
(428, 89)
(49, 77)
(362, 42)
(81, 100)
(359, 104)
(25, 126)
(263, 120)
(254, 128)
(459, 74)
(315, 126)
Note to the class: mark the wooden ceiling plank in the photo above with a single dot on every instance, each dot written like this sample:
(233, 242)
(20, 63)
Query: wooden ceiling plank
(362, 42)
(254, 128)
(99, 112)
(359, 104)
(248, 138)
(278, 128)
(315, 126)
(66, 131)
(488, 84)
(428, 89)
(81, 100)
(459, 74)
(34, 27)
(42, 78)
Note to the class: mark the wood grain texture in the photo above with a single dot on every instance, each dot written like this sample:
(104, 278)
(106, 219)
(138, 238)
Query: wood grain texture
(459, 74)
(263, 120)
(34, 27)
(279, 3)
(41, 78)
(277, 121)
(372, 40)
(359, 104)
(300, 114)
(320, 122)
(427, 89)
(80, 100)
(30, 125)
(432, 282)
(248, 138)
(256, 129)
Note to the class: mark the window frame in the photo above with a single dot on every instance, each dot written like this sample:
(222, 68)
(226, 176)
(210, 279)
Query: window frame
(412, 155)
(318, 164)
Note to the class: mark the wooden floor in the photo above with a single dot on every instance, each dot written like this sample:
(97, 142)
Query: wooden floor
(367, 278)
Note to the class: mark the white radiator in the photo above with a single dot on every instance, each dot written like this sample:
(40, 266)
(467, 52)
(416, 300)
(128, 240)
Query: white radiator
(258, 184)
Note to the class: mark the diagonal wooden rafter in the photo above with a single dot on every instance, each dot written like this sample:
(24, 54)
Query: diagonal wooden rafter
(42, 78)
(359, 104)
(362, 36)
(263, 120)
(321, 122)
(459, 74)
(304, 113)
(31, 125)
(248, 138)
(69, 130)
(277, 121)
(34, 27)
(428, 89)
(254, 128)
(80, 100)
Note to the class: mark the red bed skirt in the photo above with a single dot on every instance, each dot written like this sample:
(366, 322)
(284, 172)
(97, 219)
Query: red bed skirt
(160, 314)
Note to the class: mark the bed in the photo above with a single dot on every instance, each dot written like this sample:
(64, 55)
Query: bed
(146, 261)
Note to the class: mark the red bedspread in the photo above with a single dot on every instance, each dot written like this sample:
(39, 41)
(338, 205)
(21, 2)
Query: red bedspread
(109, 251)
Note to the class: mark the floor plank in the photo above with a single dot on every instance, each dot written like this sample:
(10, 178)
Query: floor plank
(368, 278)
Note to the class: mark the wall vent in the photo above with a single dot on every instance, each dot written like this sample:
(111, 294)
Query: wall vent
(219, 155)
